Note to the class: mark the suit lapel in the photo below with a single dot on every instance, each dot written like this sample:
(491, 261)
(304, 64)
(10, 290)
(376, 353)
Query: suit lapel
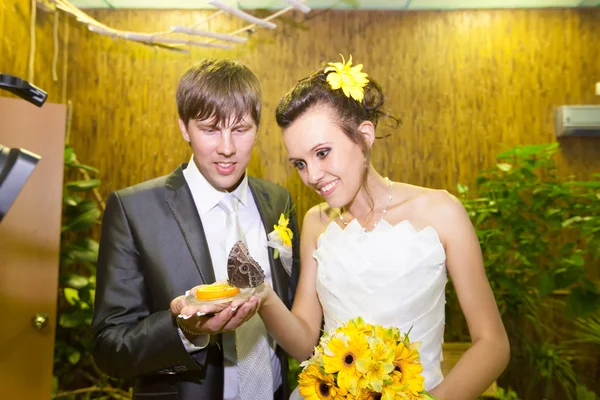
(180, 201)
(270, 215)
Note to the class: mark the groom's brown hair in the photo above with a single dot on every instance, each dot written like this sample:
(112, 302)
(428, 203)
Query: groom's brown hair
(221, 89)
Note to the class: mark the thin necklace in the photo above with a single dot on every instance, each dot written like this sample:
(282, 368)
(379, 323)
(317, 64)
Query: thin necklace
(383, 212)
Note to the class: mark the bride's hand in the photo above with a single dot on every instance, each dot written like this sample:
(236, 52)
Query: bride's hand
(264, 294)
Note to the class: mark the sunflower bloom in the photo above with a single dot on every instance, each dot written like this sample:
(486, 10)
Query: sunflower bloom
(341, 355)
(315, 385)
(348, 78)
(371, 395)
(409, 368)
(394, 390)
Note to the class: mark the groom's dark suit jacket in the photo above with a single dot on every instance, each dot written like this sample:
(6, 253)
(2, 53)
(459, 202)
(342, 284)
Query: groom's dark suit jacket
(152, 249)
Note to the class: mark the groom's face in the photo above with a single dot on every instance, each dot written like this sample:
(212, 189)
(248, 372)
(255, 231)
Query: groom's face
(222, 150)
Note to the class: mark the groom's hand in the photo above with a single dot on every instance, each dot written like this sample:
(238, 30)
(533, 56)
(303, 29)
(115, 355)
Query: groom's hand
(215, 318)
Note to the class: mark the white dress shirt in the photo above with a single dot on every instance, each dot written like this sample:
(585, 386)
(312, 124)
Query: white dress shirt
(213, 218)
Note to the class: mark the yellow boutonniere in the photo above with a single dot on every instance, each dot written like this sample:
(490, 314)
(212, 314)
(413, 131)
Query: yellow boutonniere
(348, 78)
(285, 233)
(280, 239)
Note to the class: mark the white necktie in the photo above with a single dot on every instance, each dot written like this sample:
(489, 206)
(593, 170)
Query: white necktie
(255, 376)
(233, 231)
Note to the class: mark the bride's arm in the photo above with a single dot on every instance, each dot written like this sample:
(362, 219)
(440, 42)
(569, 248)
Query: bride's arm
(489, 354)
(298, 331)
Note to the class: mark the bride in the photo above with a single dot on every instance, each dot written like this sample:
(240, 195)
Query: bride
(378, 249)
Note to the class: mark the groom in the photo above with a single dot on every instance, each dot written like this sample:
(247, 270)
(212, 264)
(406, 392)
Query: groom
(162, 237)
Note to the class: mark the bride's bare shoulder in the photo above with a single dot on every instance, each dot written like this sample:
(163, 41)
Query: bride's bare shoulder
(319, 216)
(422, 197)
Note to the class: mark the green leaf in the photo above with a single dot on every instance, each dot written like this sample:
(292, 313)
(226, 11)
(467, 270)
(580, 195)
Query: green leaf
(570, 221)
(546, 284)
(462, 189)
(553, 146)
(73, 319)
(528, 151)
(73, 355)
(553, 211)
(591, 184)
(71, 295)
(83, 185)
(528, 173)
(86, 205)
(75, 281)
(69, 155)
(565, 277)
(83, 221)
(504, 167)
(81, 207)
(351, 3)
(481, 218)
(481, 180)
(70, 200)
(85, 167)
(582, 393)
(54, 385)
(581, 302)
(80, 251)
(576, 259)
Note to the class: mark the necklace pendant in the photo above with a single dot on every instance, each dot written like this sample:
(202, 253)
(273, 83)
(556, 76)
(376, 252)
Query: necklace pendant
(383, 212)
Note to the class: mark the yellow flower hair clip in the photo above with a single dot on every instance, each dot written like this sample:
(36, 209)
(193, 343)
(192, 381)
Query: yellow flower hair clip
(350, 79)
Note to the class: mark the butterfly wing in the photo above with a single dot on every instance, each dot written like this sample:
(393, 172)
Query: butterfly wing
(242, 270)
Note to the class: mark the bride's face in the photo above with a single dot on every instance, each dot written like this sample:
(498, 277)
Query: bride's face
(326, 159)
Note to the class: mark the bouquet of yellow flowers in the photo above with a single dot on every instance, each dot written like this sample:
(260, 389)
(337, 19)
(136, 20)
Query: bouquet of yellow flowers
(360, 361)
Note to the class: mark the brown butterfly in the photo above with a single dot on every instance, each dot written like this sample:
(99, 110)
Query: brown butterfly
(242, 270)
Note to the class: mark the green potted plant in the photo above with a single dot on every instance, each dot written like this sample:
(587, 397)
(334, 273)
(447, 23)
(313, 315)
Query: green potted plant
(75, 374)
(540, 237)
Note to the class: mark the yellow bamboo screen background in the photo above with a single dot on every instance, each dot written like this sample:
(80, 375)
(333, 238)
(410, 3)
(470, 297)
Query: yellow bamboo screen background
(15, 46)
(466, 84)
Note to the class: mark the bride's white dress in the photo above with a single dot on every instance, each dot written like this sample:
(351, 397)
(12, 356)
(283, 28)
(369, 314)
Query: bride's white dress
(393, 275)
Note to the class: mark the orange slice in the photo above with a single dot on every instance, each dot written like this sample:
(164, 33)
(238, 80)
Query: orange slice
(216, 291)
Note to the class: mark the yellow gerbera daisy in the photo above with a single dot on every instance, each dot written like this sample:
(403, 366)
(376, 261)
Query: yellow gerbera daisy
(394, 390)
(315, 385)
(340, 356)
(370, 395)
(408, 369)
(348, 78)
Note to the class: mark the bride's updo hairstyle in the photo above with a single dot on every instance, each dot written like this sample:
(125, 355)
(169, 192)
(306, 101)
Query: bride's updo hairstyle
(346, 91)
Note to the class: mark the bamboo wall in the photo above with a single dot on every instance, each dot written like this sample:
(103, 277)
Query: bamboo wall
(465, 83)
(15, 44)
